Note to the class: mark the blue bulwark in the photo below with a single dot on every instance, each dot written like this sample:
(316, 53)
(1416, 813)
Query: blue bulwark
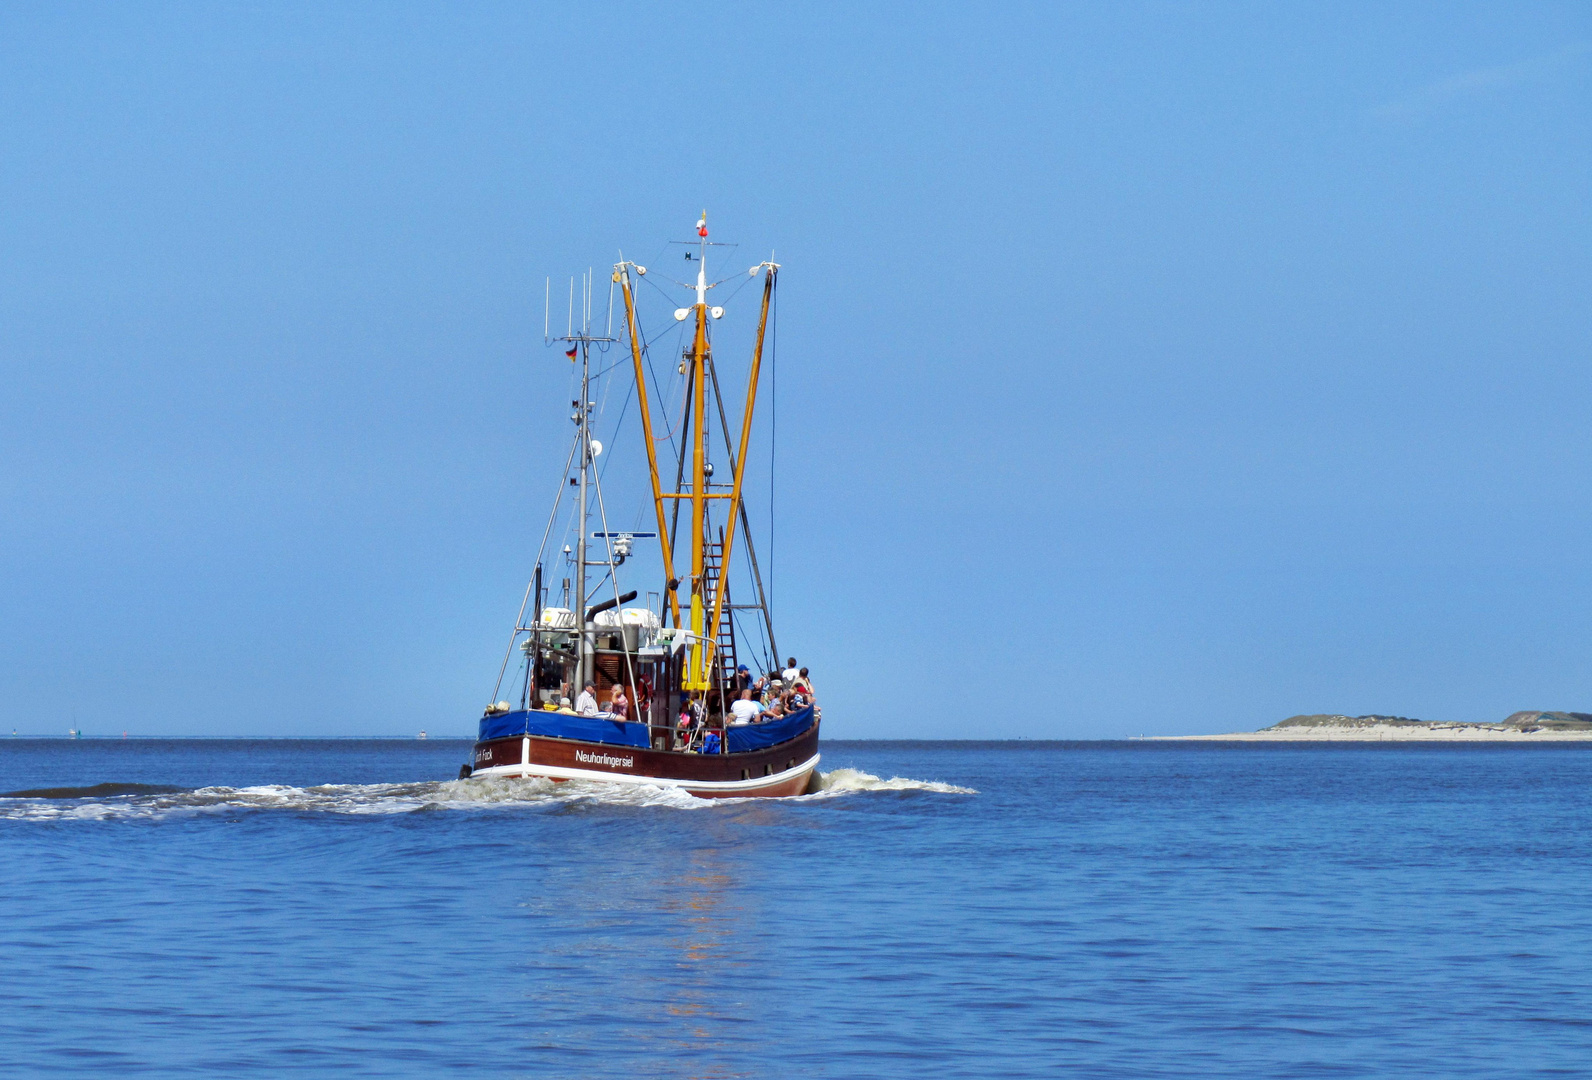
(757, 736)
(564, 726)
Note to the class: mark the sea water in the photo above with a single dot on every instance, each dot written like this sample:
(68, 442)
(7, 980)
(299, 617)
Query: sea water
(342, 908)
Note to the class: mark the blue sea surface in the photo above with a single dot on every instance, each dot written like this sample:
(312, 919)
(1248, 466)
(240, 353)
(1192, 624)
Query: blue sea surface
(342, 908)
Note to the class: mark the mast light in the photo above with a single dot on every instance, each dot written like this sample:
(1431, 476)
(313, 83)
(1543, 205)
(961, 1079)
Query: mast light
(717, 313)
(680, 313)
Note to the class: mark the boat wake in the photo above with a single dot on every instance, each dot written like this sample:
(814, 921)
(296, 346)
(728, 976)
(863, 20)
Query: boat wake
(843, 781)
(134, 801)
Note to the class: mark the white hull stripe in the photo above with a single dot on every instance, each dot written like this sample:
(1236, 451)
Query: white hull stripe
(557, 772)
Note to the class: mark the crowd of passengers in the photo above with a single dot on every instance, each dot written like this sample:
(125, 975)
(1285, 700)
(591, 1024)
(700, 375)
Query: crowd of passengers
(771, 696)
(757, 700)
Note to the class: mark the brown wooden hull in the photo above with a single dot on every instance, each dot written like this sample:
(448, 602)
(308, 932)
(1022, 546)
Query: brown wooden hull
(777, 771)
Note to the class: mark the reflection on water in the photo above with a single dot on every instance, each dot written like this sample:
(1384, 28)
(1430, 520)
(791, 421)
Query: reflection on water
(641, 940)
(702, 936)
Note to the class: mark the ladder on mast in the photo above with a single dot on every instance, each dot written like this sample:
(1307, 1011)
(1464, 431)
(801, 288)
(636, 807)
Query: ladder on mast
(724, 647)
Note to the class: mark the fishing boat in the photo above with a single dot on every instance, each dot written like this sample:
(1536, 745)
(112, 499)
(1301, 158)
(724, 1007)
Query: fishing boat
(690, 712)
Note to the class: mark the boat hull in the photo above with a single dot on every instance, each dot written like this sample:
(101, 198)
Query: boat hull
(773, 772)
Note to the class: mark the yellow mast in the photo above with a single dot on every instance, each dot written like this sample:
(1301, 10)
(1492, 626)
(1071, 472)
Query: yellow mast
(697, 671)
(740, 461)
(622, 275)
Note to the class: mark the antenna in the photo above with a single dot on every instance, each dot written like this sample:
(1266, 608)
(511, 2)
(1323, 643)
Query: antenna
(587, 288)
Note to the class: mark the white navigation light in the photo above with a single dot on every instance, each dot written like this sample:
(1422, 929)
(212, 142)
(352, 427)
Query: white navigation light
(717, 313)
(753, 271)
(642, 270)
(680, 313)
(596, 448)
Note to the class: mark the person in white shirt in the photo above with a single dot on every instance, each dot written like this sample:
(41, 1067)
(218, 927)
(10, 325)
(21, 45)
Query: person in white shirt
(744, 709)
(586, 704)
(788, 676)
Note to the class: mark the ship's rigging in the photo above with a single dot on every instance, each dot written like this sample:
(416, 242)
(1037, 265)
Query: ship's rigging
(695, 603)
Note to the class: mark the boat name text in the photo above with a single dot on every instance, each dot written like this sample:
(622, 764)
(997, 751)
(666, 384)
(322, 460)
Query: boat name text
(605, 759)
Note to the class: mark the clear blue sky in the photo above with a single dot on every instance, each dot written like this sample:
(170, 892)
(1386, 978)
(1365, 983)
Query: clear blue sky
(1143, 368)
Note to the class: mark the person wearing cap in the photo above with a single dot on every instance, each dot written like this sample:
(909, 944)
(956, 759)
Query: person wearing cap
(743, 678)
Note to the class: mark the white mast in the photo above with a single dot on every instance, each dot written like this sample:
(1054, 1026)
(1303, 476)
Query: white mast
(702, 260)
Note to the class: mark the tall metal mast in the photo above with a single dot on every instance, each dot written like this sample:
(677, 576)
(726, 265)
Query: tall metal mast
(581, 349)
(697, 676)
(583, 412)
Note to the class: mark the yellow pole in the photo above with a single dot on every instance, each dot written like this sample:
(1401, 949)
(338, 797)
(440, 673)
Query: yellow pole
(622, 275)
(697, 676)
(740, 462)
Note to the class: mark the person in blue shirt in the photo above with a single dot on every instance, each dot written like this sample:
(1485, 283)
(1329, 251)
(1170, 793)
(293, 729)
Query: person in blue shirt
(710, 743)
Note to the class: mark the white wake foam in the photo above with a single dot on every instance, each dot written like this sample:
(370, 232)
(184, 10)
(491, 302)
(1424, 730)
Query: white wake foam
(842, 781)
(455, 795)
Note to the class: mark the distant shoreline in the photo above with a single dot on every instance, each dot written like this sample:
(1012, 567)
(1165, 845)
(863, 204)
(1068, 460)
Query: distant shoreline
(1445, 733)
(1531, 727)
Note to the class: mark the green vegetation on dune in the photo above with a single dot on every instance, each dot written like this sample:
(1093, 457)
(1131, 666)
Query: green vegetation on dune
(1339, 720)
(1520, 721)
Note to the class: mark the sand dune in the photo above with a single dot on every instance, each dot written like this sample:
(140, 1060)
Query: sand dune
(1530, 726)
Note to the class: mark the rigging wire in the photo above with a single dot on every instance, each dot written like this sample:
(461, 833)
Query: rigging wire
(613, 575)
(519, 620)
(746, 521)
(646, 354)
(624, 410)
(746, 279)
